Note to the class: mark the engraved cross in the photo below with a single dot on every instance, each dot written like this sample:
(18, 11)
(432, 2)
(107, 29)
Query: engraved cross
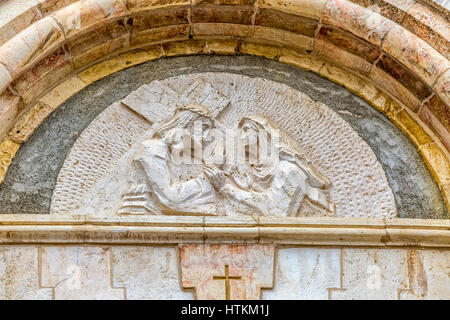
(227, 279)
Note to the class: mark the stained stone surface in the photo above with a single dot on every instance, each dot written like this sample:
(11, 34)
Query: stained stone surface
(254, 271)
(19, 274)
(148, 273)
(231, 272)
(76, 272)
(305, 274)
(94, 175)
(28, 188)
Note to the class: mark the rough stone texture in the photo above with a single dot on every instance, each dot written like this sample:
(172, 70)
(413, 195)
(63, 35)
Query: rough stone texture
(359, 187)
(63, 91)
(7, 151)
(16, 15)
(19, 274)
(5, 78)
(393, 274)
(79, 273)
(305, 274)
(23, 128)
(9, 108)
(430, 25)
(360, 21)
(148, 273)
(158, 272)
(226, 271)
(372, 274)
(86, 14)
(436, 114)
(414, 189)
(115, 141)
(392, 9)
(31, 45)
(309, 8)
(415, 54)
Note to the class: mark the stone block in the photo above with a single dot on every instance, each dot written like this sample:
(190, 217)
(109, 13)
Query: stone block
(141, 5)
(101, 70)
(43, 75)
(222, 14)
(386, 82)
(374, 274)
(147, 273)
(430, 25)
(227, 271)
(305, 274)
(411, 128)
(286, 38)
(29, 46)
(404, 76)
(141, 55)
(183, 48)
(5, 78)
(442, 87)
(289, 22)
(79, 273)
(83, 15)
(336, 54)
(221, 46)
(10, 106)
(304, 61)
(49, 6)
(437, 163)
(427, 63)
(306, 8)
(63, 91)
(160, 18)
(349, 43)
(358, 20)
(29, 121)
(7, 151)
(391, 9)
(258, 49)
(15, 16)
(221, 29)
(157, 35)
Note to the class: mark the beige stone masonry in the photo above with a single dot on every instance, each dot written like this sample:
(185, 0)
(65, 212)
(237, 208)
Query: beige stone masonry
(50, 272)
(7, 151)
(227, 272)
(78, 272)
(42, 229)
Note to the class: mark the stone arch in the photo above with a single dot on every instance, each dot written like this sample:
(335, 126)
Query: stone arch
(393, 54)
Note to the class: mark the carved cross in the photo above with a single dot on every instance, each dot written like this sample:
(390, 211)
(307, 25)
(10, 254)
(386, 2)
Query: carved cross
(227, 279)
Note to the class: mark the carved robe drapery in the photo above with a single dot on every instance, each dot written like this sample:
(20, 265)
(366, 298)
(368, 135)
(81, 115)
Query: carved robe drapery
(155, 187)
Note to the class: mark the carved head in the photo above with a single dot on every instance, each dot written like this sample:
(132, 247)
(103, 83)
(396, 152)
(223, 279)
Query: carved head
(186, 116)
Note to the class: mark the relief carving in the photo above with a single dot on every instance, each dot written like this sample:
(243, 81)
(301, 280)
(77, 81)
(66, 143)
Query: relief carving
(269, 176)
(205, 144)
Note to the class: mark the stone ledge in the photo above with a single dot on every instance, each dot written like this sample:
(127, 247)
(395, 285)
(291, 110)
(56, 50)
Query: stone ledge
(34, 229)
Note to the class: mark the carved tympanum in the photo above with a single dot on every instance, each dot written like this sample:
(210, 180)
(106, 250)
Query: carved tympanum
(280, 182)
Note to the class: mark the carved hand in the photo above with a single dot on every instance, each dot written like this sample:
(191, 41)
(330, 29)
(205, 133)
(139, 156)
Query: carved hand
(215, 175)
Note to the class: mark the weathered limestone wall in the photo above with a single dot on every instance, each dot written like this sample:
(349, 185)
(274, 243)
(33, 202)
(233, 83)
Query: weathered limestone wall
(163, 272)
(394, 54)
